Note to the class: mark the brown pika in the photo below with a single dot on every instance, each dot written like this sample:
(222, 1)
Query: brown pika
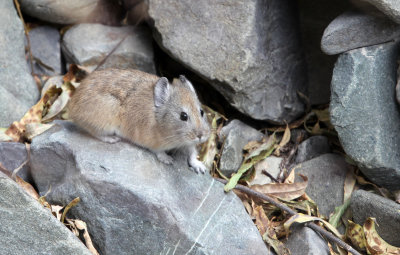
(143, 108)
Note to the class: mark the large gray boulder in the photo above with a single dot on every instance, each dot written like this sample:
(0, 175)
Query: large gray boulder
(303, 240)
(26, 227)
(365, 113)
(18, 91)
(73, 11)
(134, 204)
(248, 50)
(89, 44)
(353, 30)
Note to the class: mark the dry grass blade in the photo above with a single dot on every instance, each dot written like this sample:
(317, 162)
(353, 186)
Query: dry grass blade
(71, 204)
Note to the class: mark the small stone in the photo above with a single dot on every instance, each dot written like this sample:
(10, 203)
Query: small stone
(236, 135)
(89, 44)
(326, 175)
(365, 204)
(312, 147)
(271, 165)
(45, 47)
(74, 11)
(353, 30)
(28, 228)
(364, 111)
(304, 240)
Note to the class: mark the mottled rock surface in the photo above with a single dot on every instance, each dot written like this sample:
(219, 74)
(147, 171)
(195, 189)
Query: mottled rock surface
(28, 228)
(326, 175)
(45, 47)
(89, 44)
(18, 91)
(235, 136)
(365, 113)
(353, 30)
(365, 204)
(248, 50)
(134, 204)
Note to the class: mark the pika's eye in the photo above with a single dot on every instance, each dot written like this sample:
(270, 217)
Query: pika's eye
(201, 112)
(184, 116)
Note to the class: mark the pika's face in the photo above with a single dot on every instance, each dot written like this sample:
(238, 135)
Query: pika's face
(184, 121)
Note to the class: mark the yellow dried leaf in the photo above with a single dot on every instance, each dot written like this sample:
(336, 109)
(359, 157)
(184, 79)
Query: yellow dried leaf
(262, 221)
(355, 233)
(375, 244)
(74, 202)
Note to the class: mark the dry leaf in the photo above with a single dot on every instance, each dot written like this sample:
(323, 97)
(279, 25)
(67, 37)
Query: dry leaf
(355, 233)
(74, 202)
(375, 244)
(285, 139)
(287, 191)
(23, 184)
(88, 241)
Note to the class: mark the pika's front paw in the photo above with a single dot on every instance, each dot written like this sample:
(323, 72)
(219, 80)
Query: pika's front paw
(197, 166)
(164, 158)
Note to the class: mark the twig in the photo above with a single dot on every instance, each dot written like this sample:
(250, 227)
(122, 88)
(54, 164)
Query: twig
(18, 7)
(285, 208)
(269, 175)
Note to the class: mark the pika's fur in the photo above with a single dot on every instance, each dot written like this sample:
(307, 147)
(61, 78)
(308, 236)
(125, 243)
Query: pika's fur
(142, 108)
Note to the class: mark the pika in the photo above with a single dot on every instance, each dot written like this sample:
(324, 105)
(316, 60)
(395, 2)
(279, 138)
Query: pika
(144, 109)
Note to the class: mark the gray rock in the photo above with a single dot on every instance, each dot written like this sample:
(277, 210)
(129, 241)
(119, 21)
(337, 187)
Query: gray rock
(28, 228)
(365, 113)
(73, 11)
(236, 135)
(353, 30)
(312, 147)
(89, 44)
(12, 155)
(365, 204)
(45, 46)
(389, 7)
(304, 240)
(141, 206)
(315, 16)
(248, 50)
(326, 175)
(18, 91)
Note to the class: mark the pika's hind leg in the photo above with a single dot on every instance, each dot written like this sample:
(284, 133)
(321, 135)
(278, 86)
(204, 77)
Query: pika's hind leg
(164, 157)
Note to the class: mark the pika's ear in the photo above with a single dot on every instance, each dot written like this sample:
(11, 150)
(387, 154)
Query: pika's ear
(161, 92)
(186, 83)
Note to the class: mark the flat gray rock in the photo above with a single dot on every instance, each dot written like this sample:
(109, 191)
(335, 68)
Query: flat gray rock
(134, 204)
(73, 11)
(391, 8)
(45, 47)
(235, 136)
(89, 44)
(12, 155)
(312, 147)
(365, 113)
(353, 30)
(248, 50)
(365, 204)
(326, 175)
(28, 228)
(303, 240)
(18, 91)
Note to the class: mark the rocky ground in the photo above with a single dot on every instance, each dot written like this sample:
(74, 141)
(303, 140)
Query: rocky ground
(303, 97)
